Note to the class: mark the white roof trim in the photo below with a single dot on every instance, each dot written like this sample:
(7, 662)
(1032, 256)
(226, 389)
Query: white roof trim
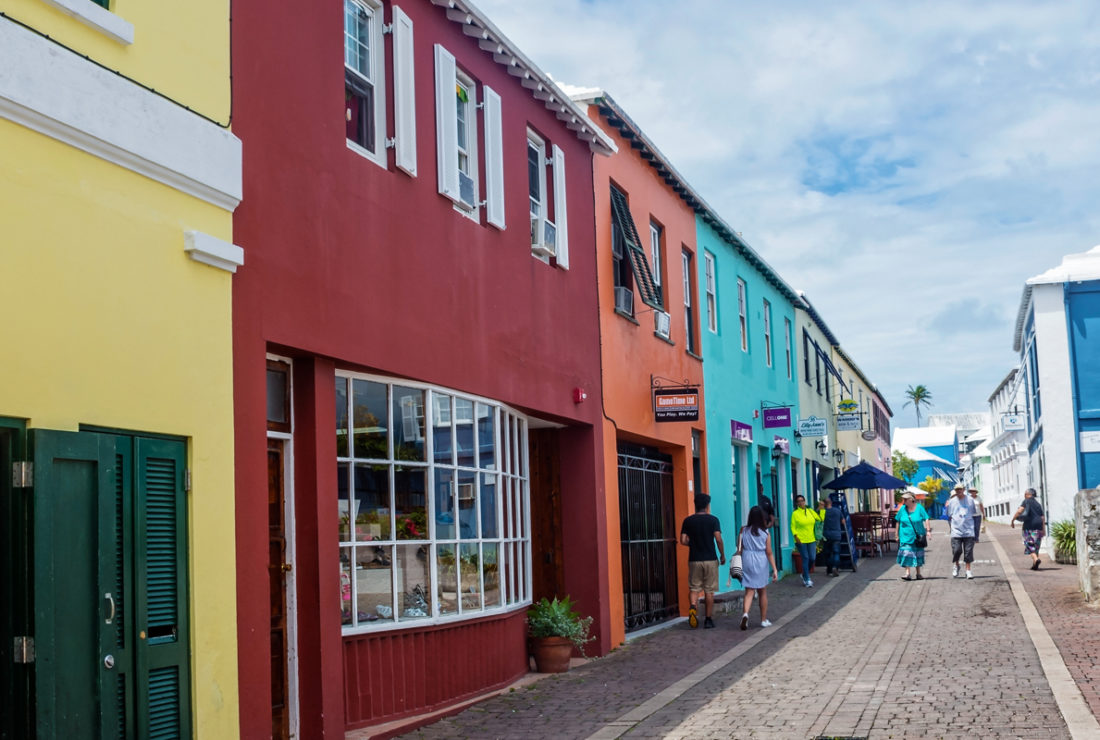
(476, 25)
(1074, 268)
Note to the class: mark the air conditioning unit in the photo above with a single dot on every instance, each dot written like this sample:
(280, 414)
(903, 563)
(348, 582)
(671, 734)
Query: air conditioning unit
(465, 191)
(624, 300)
(661, 322)
(543, 237)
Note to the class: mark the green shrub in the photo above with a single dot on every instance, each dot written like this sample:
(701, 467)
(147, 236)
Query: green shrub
(1065, 538)
(557, 619)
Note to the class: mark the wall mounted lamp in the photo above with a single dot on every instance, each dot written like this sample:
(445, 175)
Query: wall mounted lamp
(777, 452)
(821, 446)
(839, 455)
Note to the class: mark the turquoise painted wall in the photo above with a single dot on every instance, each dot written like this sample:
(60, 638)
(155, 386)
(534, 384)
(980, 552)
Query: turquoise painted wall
(739, 383)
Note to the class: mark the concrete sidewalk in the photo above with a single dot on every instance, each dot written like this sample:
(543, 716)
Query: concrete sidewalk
(865, 654)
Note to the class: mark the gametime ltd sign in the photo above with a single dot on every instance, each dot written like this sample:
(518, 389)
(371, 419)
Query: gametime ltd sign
(676, 404)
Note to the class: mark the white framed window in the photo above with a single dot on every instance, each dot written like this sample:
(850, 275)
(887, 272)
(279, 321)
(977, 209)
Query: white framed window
(787, 347)
(548, 217)
(466, 142)
(434, 512)
(742, 318)
(712, 292)
(655, 261)
(768, 332)
(364, 79)
(689, 310)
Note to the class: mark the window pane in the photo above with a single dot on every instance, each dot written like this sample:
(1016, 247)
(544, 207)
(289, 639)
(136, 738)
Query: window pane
(448, 579)
(373, 583)
(444, 504)
(470, 577)
(345, 585)
(464, 428)
(414, 594)
(490, 568)
(489, 505)
(467, 514)
(369, 411)
(372, 502)
(341, 417)
(343, 501)
(276, 396)
(411, 505)
(534, 177)
(441, 429)
(408, 435)
(486, 436)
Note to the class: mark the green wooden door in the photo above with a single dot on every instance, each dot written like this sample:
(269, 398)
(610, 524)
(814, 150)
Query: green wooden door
(110, 586)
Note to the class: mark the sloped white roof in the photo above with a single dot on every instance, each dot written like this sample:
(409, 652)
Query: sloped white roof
(918, 454)
(923, 436)
(1074, 267)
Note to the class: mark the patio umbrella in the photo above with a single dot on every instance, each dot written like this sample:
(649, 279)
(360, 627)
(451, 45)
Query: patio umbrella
(864, 477)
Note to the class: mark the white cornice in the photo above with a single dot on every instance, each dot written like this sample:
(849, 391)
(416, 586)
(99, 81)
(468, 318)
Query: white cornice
(51, 90)
(212, 251)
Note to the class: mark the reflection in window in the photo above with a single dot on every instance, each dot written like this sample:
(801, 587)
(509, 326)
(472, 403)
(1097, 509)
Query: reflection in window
(432, 508)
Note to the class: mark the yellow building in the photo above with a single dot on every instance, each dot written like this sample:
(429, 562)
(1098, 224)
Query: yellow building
(118, 181)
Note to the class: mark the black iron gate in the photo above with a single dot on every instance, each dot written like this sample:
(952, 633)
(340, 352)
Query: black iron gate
(648, 534)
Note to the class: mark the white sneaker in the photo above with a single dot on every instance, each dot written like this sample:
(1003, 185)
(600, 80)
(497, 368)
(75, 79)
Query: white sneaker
(809, 583)
(955, 571)
(969, 574)
(765, 623)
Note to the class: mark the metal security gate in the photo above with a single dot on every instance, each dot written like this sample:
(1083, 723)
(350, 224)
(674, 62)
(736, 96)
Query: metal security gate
(648, 534)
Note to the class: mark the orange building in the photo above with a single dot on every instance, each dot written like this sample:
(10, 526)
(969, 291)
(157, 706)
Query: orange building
(654, 442)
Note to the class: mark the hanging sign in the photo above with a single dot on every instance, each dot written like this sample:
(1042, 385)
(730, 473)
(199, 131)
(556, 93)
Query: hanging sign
(812, 426)
(676, 404)
(740, 432)
(846, 406)
(848, 422)
(869, 435)
(1014, 423)
(777, 417)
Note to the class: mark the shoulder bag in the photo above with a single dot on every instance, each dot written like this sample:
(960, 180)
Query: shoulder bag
(920, 540)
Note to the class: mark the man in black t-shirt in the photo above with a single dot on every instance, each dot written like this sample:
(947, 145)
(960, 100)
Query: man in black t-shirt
(699, 533)
(1031, 516)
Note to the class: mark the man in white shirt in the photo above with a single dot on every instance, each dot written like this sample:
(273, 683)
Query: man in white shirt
(961, 512)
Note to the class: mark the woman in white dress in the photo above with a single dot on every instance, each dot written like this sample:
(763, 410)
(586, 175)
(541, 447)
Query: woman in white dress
(754, 545)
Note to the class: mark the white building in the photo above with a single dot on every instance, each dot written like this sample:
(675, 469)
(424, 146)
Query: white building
(1007, 449)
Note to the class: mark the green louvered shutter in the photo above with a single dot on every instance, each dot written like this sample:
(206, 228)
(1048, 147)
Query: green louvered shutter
(164, 705)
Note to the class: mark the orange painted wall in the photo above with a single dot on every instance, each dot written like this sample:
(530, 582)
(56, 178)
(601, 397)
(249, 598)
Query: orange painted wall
(632, 352)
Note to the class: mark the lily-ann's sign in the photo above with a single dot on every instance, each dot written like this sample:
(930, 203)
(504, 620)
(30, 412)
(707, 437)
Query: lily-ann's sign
(812, 426)
(676, 404)
(848, 422)
(740, 432)
(777, 417)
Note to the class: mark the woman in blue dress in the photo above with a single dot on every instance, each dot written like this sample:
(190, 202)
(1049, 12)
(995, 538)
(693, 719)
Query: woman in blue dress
(911, 519)
(755, 548)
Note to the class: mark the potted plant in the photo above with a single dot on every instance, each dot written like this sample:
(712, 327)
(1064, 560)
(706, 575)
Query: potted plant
(556, 629)
(1065, 542)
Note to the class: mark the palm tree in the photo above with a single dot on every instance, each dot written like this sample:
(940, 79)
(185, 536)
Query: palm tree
(918, 396)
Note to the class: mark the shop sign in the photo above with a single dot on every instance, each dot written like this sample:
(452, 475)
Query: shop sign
(676, 404)
(1090, 441)
(848, 422)
(777, 417)
(869, 436)
(1014, 423)
(847, 406)
(741, 432)
(812, 426)
(782, 444)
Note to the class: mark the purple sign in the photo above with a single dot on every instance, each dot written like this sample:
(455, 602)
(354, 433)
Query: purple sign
(777, 417)
(741, 432)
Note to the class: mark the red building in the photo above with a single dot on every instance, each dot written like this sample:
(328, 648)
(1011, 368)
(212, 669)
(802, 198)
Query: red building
(415, 337)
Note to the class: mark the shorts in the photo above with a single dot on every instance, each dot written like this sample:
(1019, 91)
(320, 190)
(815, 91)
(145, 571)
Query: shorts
(703, 576)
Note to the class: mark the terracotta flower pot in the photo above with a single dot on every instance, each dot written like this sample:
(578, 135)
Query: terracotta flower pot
(552, 654)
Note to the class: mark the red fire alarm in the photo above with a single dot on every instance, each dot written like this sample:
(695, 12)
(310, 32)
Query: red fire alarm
(579, 395)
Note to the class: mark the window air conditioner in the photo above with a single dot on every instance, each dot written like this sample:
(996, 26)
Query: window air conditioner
(465, 191)
(543, 238)
(661, 322)
(624, 300)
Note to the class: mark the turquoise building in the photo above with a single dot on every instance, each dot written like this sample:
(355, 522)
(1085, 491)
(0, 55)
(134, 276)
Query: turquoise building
(750, 379)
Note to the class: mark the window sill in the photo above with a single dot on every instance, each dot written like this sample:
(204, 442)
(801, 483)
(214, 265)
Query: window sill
(97, 17)
(365, 154)
(628, 317)
(664, 339)
(692, 354)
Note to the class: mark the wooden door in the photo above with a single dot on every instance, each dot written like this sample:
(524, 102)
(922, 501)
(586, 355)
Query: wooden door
(278, 569)
(546, 536)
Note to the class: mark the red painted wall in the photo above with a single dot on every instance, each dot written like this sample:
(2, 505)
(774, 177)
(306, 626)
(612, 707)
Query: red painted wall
(351, 265)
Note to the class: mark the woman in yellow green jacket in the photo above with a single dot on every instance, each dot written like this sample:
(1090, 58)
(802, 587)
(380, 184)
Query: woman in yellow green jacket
(802, 527)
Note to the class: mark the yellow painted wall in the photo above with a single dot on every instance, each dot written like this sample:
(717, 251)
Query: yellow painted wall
(180, 49)
(108, 322)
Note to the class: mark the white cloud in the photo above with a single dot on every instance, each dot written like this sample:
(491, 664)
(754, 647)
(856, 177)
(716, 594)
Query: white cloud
(952, 147)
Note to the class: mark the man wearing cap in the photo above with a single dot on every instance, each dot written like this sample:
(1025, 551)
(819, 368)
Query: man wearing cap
(979, 515)
(700, 532)
(960, 512)
(1031, 516)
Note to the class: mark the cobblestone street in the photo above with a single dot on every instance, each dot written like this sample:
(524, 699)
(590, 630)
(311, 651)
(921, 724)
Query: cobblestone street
(864, 655)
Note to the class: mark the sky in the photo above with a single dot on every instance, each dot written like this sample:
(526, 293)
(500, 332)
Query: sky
(907, 164)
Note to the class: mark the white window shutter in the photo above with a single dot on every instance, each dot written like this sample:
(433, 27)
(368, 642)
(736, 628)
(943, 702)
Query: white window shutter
(446, 123)
(494, 160)
(561, 216)
(404, 92)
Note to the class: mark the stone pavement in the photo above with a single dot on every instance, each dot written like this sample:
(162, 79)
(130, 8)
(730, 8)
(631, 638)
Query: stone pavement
(865, 655)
